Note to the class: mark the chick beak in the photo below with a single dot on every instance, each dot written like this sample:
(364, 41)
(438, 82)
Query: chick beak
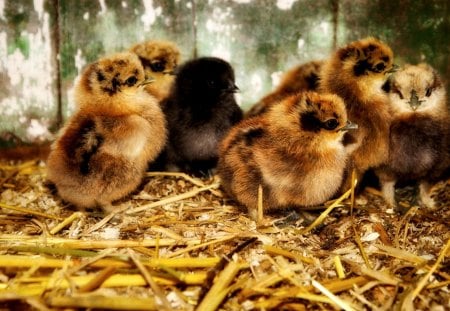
(414, 101)
(349, 126)
(232, 88)
(146, 81)
(394, 68)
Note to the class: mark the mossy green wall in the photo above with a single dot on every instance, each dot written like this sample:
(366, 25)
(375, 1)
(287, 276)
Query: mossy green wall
(45, 43)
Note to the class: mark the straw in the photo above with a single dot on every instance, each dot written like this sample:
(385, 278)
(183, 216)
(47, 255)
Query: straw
(325, 213)
(28, 211)
(173, 199)
(339, 302)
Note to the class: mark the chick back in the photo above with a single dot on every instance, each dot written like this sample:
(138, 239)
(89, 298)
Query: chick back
(304, 77)
(99, 159)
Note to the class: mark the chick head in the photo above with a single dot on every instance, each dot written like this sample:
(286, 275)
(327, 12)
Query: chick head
(206, 78)
(314, 114)
(416, 88)
(111, 75)
(159, 59)
(368, 56)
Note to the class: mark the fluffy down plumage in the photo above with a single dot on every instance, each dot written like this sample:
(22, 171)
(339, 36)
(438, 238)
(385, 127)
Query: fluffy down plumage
(102, 152)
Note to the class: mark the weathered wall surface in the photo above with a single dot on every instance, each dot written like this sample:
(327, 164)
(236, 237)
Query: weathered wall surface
(44, 44)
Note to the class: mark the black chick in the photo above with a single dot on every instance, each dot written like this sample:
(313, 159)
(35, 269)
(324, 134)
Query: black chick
(200, 109)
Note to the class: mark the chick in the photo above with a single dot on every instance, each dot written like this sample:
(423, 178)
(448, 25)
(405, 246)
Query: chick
(357, 73)
(294, 151)
(160, 59)
(419, 133)
(200, 110)
(304, 77)
(102, 152)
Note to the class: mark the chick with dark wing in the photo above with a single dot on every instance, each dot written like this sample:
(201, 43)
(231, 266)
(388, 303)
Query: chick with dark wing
(357, 72)
(102, 152)
(304, 77)
(294, 151)
(200, 110)
(419, 132)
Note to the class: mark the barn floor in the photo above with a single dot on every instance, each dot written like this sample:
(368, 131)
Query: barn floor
(179, 244)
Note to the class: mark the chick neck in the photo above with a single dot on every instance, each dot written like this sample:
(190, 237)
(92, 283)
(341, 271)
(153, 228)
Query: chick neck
(124, 102)
(340, 78)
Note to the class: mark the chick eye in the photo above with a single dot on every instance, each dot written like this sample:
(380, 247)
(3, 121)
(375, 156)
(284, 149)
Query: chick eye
(131, 81)
(331, 124)
(211, 83)
(380, 66)
(428, 93)
(100, 77)
(157, 66)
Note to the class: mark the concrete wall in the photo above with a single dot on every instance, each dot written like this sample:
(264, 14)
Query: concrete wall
(44, 44)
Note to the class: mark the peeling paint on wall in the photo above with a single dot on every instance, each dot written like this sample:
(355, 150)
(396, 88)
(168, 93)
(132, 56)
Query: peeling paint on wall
(261, 39)
(102, 7)
(150, 14)
(39, 8)
(285, 4)
(27, 105)
(2, 8)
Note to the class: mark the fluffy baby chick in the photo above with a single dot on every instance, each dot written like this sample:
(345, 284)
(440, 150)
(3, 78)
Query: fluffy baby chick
(357, 73)
(304, 77)
(200, 110)
(159, 58)
(103, 151)
(294, 151)
(419, 133)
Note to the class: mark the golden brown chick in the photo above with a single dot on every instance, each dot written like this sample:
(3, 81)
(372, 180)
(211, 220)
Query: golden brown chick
(159, 58)
(294, 151)
(304, 77)
(419, 133)
(357, 73)
(103, 151)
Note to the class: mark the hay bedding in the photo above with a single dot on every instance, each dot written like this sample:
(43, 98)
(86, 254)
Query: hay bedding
(178, 243)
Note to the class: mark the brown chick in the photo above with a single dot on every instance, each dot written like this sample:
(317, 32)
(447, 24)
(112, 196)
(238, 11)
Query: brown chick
(419, 133)
(304, 77)
(294, 151)
(103, 151)
(159, 58)
(357, 73)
